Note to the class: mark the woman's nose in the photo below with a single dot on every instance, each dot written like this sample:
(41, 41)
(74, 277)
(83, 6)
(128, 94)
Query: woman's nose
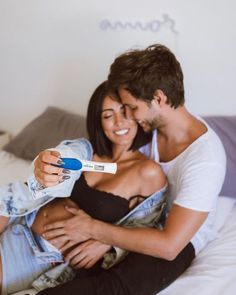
(119, 119)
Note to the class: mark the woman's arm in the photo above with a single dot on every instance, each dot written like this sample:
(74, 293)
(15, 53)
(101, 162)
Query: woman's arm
(180, 227)
(3, 223)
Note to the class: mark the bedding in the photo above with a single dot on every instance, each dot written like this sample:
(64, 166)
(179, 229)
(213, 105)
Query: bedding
(213, 271)
(13, 168)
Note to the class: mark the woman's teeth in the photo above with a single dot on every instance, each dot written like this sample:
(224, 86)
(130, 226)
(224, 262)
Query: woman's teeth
(122, 132)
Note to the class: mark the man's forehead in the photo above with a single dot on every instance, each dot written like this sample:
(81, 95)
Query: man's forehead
(126, 96)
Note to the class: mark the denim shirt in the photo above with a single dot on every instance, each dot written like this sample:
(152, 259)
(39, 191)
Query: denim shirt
(16, 199)
(146, 214)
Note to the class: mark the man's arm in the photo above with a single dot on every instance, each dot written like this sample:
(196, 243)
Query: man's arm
(86, 254)
(180, 227)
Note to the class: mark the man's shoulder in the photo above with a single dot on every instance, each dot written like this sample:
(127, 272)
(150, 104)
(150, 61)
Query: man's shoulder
(206, 150)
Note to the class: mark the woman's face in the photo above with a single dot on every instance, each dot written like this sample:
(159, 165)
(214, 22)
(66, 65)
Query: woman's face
(118, 129)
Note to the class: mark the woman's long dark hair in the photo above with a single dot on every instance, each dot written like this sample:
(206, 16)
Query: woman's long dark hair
(102, 146)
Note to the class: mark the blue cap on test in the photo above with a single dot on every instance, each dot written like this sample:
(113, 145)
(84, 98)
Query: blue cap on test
(71, 164)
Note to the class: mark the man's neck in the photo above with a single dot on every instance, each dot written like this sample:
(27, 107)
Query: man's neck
(179, 130)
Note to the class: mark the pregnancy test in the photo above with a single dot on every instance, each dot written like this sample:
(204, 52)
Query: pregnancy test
(84, 165)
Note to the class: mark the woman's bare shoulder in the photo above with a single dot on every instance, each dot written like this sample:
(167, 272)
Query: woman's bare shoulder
(151, 175)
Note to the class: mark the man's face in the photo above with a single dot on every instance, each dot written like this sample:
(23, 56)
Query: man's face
(144, 113)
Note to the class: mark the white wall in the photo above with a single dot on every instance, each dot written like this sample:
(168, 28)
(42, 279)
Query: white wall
(54, 52)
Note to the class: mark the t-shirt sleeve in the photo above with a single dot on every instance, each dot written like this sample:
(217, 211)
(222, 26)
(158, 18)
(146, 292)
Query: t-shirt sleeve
(200, 185)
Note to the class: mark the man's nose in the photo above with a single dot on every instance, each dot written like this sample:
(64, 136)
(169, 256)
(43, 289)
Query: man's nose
(129, 114)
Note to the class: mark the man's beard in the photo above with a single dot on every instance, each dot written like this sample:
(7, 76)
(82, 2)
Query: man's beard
(149, 126)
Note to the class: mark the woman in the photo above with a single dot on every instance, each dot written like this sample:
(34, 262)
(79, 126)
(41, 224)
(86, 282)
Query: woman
(104, 196)
(150, 82)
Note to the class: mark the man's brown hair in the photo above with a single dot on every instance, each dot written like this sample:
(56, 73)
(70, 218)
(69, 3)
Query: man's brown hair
(142, 72)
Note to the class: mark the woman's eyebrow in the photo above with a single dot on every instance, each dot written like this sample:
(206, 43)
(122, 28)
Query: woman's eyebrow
(105, 110)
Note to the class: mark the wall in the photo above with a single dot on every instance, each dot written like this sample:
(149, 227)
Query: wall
(54, 52)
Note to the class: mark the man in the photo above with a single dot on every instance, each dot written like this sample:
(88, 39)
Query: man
(150, 85)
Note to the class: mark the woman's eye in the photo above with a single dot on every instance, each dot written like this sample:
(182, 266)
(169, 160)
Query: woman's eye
(107, 116)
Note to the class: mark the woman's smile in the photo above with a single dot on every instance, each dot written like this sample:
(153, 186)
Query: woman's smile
(121, 132)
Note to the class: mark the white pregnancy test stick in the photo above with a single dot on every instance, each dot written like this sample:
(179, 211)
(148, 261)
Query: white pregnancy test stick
(98, 166)
(85, 165)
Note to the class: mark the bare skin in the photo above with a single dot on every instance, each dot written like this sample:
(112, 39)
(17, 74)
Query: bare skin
(132, 165)
(3, 223)
(177, 129)
(118, 185)
(0, 273)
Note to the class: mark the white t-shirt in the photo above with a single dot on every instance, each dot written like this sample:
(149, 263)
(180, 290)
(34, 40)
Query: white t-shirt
(195, 179)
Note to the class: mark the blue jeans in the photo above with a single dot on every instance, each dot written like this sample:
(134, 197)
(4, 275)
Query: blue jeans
(25, 256)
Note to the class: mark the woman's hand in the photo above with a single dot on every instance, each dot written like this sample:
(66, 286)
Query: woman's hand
(70, 231)
(47, 174)
(86, 254)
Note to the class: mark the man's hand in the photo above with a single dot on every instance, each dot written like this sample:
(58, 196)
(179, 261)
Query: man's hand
(86, 254)
(71, 231)
(47, 174)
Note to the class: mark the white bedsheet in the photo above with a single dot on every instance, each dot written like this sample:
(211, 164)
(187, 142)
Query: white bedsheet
(12, 168)
(213, 271)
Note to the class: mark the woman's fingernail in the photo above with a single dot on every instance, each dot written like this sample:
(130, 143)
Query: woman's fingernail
(60, 162)
(65, 177)
(66, 171)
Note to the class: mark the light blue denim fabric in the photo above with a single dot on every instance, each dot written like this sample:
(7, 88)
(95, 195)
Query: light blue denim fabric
(25, 256)
(20, 251)
(16, 199)
(146, 214)
(43, 252)
(68, 149)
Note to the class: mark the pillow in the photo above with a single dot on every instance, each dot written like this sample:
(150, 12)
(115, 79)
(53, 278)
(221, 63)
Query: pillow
(45, 131)
(225, 127)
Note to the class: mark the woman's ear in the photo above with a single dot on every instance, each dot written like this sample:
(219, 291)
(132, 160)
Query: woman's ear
(159, 97)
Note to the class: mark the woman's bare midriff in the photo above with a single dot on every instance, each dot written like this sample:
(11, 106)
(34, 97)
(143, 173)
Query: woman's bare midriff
(51, 212)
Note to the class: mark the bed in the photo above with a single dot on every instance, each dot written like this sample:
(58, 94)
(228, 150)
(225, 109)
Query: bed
(213, 271)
